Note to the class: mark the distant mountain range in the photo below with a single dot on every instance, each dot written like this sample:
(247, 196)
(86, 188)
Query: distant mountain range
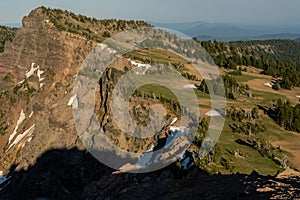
(225, 32)
(232, 32)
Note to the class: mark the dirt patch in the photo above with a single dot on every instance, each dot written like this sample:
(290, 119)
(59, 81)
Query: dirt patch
(258, 85)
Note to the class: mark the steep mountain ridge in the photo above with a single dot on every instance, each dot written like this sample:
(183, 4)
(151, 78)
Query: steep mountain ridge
(37, 71)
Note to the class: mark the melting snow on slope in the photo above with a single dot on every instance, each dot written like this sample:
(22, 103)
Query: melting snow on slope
(31, 71)
(39, 73)
(103, 46)
(192, 86)
(214, 113)
(73, 102)
(31, 114)
(111, 51)
(20, 120)
(42, 84)
(29, 139)
(268, 84)
(141, 65)
(173, 121)
(147, 157)
(21, 82)
(22, 136)
(175, 133)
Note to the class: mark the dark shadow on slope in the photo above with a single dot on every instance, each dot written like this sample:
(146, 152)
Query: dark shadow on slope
(73, 174)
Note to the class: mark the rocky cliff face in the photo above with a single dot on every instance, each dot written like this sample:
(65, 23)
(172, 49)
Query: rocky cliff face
(37, 71)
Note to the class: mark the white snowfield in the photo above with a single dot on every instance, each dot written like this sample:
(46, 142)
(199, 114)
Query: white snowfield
(20, 120)
(20, 137)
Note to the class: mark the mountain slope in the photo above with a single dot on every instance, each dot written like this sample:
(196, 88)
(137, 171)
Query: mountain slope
(36, 72)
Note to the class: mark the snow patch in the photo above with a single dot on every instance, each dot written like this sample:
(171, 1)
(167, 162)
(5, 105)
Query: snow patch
(214, 113)
(148, 156)
(29, 73)
(175, 133)
(177, 129)
(111, 51)
(22, 136)
(298, 96)
(173, 121)
(140, 64)
(31, 114)
(102, 46)
(33, 69)
(144, 67)
(20, 120)
(29, 139)
(190, 86)
(21, 82)
(73, 102)
(268, 84)
(42, 84)
(39, 73)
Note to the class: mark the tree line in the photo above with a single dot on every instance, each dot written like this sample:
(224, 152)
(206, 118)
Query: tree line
(277, 58)
(286, 115)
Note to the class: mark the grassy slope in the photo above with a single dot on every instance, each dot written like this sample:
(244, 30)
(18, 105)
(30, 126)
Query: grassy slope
(227, 146)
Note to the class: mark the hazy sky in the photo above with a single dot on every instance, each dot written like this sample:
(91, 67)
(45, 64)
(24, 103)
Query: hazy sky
(233, 11)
